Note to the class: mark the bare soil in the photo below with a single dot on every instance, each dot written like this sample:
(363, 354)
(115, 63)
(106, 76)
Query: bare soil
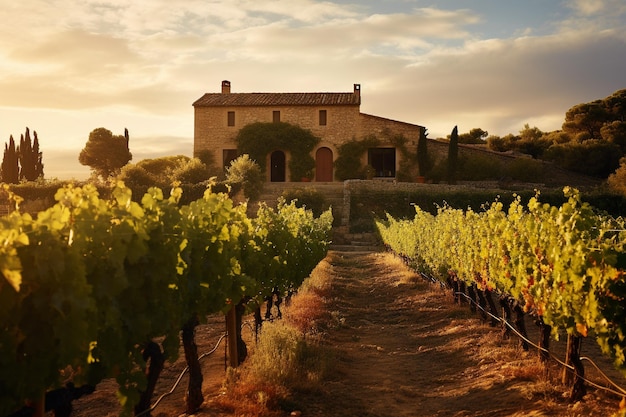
(401, 347)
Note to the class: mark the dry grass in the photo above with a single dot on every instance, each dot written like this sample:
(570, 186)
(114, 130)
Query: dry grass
(288, 354)
(250, 399)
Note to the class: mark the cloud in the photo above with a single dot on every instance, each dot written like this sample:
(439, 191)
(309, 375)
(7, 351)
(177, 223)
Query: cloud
(153, 55)
(589, 7)
(342, 38)
(499, 85)
(69, 67)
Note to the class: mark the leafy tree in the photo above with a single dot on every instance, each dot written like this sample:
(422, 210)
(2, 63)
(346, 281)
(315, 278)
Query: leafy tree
(475, 136)
(10, 166)
(586, 120)
(602, 123)
(615, 105)
(615, 132)
(556, 137)
(530, 133)
(532, 141)
(453, 155)
(105, 153)
(498, 143)
(593, 157)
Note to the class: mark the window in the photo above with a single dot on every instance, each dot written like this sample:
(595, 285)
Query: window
(322, 117)
(231, 118)
(383, 160)
(276, 116)
(228, 156)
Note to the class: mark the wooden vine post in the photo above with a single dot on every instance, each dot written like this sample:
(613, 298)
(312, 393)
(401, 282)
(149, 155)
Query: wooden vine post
(575, 377)
(194, 397)
(544, 339)
(231, 329)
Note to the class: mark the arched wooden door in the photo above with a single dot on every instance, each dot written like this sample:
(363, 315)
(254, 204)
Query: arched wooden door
(277, 164)
(324, 165)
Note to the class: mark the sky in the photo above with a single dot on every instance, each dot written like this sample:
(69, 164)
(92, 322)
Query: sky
(68, 67)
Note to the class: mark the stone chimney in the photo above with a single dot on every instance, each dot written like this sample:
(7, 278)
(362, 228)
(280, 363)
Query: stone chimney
(357, 91)
(225, 87)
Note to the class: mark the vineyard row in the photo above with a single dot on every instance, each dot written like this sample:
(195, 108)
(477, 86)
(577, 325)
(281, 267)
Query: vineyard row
(90, 285)
(564, 264)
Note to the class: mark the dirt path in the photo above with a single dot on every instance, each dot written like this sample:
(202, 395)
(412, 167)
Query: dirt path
(400, 347)
(405, 349)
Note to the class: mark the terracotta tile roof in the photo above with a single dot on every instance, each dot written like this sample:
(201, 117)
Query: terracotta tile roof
(278, 99)
(385, 119)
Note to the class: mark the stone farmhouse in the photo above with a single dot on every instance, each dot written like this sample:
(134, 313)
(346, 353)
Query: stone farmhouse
(335, 118)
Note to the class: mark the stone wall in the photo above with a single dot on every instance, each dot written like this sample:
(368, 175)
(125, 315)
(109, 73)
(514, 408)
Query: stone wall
(211, 130)
(553, 176)
(343, 123)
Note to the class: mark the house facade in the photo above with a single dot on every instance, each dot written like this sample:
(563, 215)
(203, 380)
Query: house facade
(335, 118)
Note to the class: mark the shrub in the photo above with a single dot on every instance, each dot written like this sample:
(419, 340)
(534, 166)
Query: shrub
(245, 173)
(286, 356)
(525, 169)
(192, 172)
(163, 173)
(309, 198)
(438, 171)
(479, 168)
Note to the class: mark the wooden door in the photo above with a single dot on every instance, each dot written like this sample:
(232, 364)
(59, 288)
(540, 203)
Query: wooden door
(324, 165)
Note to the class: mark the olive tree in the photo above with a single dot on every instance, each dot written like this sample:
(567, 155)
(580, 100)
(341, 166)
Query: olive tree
(105, 153)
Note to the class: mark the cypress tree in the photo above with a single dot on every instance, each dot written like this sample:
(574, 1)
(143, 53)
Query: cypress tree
(37, 158)
(422, 153)
(24, 162)
(10, 167)
(453, 155)
(29, 157)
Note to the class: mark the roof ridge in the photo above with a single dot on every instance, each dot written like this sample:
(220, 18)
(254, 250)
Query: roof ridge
(278, 99)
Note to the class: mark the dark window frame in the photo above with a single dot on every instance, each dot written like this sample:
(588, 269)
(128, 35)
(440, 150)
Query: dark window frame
(228, 155)
(323, 117)
(230, 118)
(276, 116)
(383, 160)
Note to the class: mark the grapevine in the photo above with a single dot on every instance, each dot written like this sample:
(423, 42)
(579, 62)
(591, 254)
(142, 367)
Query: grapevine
(563, 264)
(90, 284)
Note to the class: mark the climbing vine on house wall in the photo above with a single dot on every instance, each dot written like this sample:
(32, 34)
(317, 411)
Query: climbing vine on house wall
(260, 139)
(408, 168)
(348, 163)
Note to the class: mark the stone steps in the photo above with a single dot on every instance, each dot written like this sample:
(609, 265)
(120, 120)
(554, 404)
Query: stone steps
(343, 241)
(333, 193)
